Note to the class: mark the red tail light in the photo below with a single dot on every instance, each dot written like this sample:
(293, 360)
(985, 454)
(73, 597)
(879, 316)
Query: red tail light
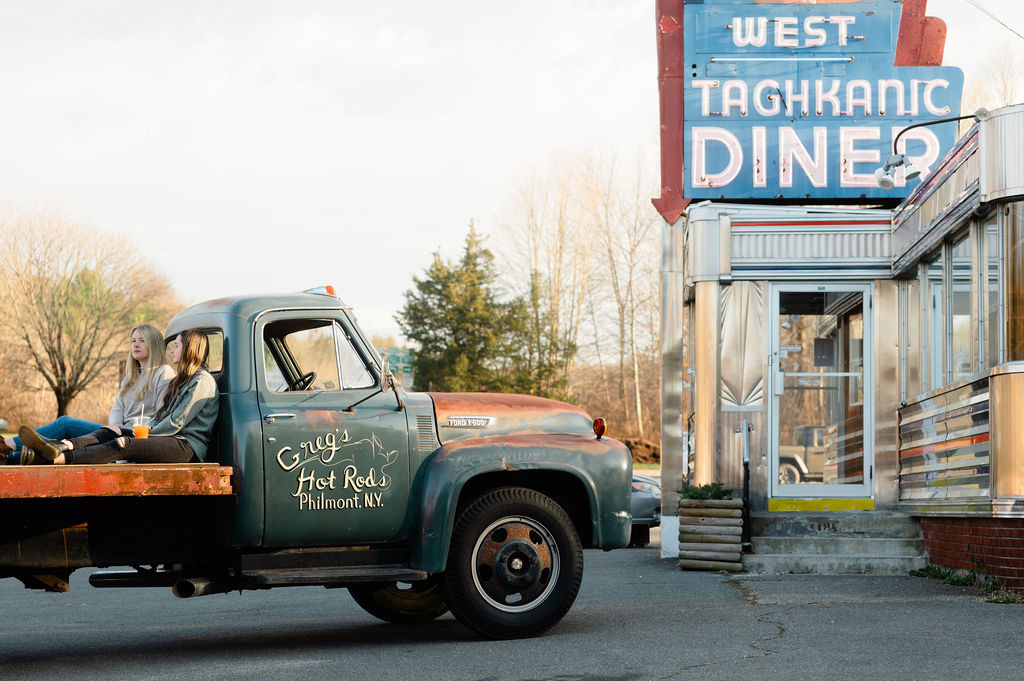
(599, 427)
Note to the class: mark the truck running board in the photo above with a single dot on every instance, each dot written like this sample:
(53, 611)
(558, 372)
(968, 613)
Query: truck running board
(189, 586)
(332, 577)
(329, 576)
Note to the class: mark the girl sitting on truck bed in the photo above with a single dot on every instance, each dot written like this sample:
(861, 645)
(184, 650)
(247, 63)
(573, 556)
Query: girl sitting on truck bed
(179, 433)
(146, 379)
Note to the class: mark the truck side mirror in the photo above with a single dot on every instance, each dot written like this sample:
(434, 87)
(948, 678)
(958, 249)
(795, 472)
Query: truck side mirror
(388, 381)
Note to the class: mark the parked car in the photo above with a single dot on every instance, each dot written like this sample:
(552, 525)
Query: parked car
(645, 505)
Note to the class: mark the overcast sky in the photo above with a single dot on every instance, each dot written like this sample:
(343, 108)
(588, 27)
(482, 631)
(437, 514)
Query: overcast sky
(273, 146)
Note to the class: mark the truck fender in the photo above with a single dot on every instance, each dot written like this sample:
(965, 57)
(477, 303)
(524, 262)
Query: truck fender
(489, 462)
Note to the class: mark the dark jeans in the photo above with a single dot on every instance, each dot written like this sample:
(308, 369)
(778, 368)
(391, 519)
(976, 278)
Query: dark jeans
(107, 445)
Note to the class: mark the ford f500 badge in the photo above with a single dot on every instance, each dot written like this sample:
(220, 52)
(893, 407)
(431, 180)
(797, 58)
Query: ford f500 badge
(469, 421)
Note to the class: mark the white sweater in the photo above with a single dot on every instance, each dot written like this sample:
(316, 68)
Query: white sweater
(129, 404)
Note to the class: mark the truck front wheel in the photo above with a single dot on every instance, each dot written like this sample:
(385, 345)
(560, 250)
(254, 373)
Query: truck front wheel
(515, 565)
(399, 602)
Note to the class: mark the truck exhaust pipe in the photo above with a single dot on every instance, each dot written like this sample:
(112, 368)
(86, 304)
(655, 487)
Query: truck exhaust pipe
(199, 586)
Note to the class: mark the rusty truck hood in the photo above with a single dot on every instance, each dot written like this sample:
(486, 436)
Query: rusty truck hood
(461, 416)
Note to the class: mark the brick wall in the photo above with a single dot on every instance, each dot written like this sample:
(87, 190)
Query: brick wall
(990, 546)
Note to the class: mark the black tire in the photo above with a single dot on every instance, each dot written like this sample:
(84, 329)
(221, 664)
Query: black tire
(515, 564)
(400, 603)
(640, 535)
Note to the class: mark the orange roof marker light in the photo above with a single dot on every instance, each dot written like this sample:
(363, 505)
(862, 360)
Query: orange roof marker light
(599, 427)
(327, 290)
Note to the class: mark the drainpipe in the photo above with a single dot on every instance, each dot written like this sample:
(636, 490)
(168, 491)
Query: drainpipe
(745, 537)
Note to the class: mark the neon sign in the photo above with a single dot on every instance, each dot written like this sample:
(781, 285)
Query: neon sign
(802, 101)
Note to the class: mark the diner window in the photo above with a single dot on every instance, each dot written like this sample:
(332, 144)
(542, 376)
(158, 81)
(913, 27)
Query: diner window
(960, 332)
(934, 369)
(1014, 281)
(910, 328)
(991, 328)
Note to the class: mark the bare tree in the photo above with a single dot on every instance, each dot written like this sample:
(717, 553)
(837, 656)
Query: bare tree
(588, 234)
(1002, 76)
(996, 83)
(547, 247)
(628, 238)
(70, 296)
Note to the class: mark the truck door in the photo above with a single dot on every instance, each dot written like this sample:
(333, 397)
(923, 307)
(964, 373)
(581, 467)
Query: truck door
(334, 473)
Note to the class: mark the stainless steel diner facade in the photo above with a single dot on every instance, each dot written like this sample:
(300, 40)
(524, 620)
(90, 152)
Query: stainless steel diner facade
(862, 358)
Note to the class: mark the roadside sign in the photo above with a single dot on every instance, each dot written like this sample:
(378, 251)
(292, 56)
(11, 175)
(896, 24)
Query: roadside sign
(801, 101)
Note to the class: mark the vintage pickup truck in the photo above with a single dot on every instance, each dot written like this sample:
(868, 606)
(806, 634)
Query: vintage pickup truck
(325, 472)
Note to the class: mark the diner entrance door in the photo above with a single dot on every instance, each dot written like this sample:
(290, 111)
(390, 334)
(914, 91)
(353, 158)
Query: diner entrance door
(821, 394)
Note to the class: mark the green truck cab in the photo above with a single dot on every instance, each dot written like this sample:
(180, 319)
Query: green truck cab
(323, 471)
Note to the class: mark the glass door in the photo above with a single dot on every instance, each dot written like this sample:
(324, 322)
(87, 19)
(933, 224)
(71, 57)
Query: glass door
(821, 403)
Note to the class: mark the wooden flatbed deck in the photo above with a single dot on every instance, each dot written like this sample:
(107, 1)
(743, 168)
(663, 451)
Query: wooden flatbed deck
(115, 480)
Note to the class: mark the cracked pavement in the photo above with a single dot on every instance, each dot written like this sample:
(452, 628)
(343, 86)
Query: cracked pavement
(637, 617)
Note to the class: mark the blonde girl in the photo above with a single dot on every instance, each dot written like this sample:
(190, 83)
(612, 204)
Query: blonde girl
(147, 377)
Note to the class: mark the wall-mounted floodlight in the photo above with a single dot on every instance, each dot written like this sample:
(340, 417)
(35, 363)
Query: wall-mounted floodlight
(884, 175)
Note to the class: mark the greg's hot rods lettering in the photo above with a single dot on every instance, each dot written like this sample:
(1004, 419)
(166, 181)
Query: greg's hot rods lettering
(353, 487)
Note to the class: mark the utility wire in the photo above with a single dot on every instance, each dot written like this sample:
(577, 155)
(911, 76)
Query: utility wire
(995, 18)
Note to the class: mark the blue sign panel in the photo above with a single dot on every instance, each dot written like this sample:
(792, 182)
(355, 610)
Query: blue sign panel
(802, 101)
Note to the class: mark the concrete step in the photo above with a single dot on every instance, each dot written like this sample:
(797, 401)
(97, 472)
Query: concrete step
(839, 546)
(831, 565)
(857, 542)
(842, 524)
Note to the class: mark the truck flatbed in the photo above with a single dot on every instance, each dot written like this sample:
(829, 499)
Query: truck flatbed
(115, 480)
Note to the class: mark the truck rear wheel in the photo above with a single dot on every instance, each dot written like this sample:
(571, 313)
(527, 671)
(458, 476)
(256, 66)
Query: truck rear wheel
(401, 602)
(515, 564)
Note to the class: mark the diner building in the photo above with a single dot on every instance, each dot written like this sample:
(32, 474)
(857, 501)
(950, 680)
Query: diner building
(859, 365)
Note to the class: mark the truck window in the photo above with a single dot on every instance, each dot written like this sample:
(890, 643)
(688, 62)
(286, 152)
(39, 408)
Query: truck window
(354, 373)
(300, 355)
(275, 379)
(311, 355)
(215, 359)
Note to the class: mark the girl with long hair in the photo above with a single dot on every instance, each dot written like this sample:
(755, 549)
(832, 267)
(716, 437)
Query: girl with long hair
(147, 376)
(180, 432)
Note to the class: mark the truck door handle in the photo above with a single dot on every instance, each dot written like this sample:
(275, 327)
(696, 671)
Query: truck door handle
(270, 418)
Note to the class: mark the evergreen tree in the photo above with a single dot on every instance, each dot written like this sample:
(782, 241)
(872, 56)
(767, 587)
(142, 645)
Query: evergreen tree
(470, 339)
(534, 346)
(455, 315)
